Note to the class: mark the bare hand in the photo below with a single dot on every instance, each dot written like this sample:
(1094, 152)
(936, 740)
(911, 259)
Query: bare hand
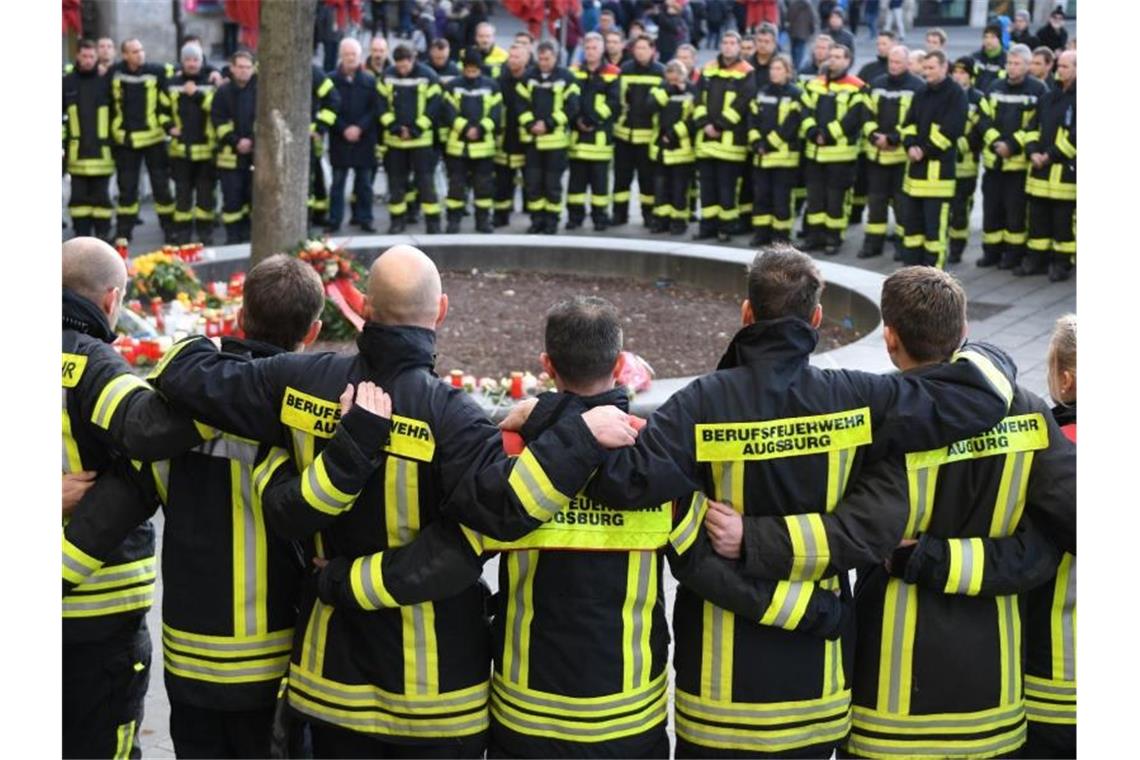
(712, 131)
(190, 87)
(472, 133)
(881, 141)
(352, 134)
(245, 145)
(820, 139)
(405, 133)
(320, 562)
(518, 415)
(216, 78)
(907, 542)
(538, 128)
(584, 127)
(175, 131)
(915, 153)
(369, 397)
(75, 485)
(610, 426)
(1002, 149)
(726, 529)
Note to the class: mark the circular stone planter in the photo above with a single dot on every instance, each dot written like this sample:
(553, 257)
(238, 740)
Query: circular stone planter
(851, 293)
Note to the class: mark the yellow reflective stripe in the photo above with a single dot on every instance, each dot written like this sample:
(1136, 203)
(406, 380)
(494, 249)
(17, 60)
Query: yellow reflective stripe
(229, 647)
(834, 680)
(759, 714)
(1010, 502)
(762, 740)
(474, 539)
(124, 740)
(263, 472)
(579, 730)
(112, 395)
(1064, 143)
(521, 567)
(77, 564)
(997, 379)
(975, 722)
(789, 602)
(810, 552)
(717, 629)
(1049, 688)
(94, 605)
(367, 580)
(967, 565)
(320, 493)
(990, 746)
(126, 574)
(728, 477)
(369, 695)
(401, 501)
(584, 708)
(242, 671)
(940, 140)
(1063, 620)
(685, 532)
(1009, 636)
(316, 632)
(376, 722)
(896, 648)
(164, 362)
(72, 462)
(637, 618)
(421, 653)
(533, 488)
(839, 464)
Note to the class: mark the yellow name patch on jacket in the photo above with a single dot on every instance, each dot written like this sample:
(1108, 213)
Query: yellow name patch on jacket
(73, 366)
(586, 524)
(1023, 432)
(787, 437)
(411, 438)
(311, 414)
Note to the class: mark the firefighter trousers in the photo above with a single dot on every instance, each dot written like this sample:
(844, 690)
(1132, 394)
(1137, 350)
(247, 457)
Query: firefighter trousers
(1052, 226)
(332, 741)
(828, 193)
(506, 180)
(960, 209)
(719, 181)
(671, 191)
(628, 160)
(128, 167)
(361, 194)
(199, 732)
(688, 750)
(318, 190)
(237, 191)
(860, 189)
(926, 230)
(193, 196)
(884, 188)
(542, 177)
(1047, 740)
(1003, 217)
(474, 174)
(90, 204)
(772, 200)
(592, 176)
(402, 163)
(104, 686)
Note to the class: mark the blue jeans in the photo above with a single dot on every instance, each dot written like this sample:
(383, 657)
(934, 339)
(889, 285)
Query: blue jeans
(798, 47)
(361, 189)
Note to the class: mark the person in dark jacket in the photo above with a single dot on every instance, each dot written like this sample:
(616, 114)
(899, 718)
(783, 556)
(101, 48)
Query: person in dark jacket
(990, 58)
(872, 70)
(233, 112)
(510, 154)
(1054, 35)
(966, 170)
(352, 139)
(473, 111)
(633, 130)
(672, 104)
(592, 139)
(86, 105)
(1020, 33)
(774, 120)
(799, 20)
(324, 104)
(192, 148)
(550, 105)
(837, 28)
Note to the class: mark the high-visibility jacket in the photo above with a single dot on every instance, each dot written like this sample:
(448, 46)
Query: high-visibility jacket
(552, 99)
(509, 148)
(934, 122)
(447, 74)
(493, 60)
(990, 68)
(888, 103)
(472, 103)
(140, 110)
(1054, 131)
(410, 101)
(598, 107)
(673, 124)
(723, 97)
(233, 113)
(324, 105)
(775, 120)
(938, 664)
(837, 109)
(87, 119)
(774, 436)
(970, 143)
(191, 115)
(109, 415)
(1008, 111)
(635, 123)
(365, 487)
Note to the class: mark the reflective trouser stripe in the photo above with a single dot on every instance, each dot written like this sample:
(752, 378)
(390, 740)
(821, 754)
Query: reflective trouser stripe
(124, 740)
(1063, 620)
(637, 618)
(250, 581)
(421, 653)
(521, 566)
(896, 649)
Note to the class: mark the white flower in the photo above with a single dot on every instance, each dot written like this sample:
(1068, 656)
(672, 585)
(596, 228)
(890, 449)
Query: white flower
(529, 383)
(469, 383)
(487, 385)
(315, 246)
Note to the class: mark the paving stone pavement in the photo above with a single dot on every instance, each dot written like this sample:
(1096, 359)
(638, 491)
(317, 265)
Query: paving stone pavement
(1014, 313)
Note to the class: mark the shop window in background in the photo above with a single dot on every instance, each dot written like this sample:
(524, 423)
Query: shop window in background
(942, 12)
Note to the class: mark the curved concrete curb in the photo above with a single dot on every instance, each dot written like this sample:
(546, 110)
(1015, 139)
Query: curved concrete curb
(852, 293)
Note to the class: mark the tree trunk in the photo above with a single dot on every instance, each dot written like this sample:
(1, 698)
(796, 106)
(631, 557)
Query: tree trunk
(281, 135)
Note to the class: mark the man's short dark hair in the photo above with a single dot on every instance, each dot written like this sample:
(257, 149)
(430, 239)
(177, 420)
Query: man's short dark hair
(525, 35)
(1045, 52)
(440, 43)
(86, 44)
(926, 307)
(766, 30)
(243, 54)
(546, 46)
(402, 53)
(583, 338)
(939, 33)
(994, 29)
(846, 50)
(281, 299)
(889, 34)
(643, 38)
(939, 56)
(782, 282)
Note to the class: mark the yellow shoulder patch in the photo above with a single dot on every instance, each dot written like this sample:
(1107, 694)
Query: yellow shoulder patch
(411, 438)
(308, 413)
(1023, 432)
(73, 366)
(787, 437)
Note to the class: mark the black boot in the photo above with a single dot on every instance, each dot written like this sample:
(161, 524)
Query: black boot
(502, 218)
(831, 243)
(678, 227)
(537, 223)
(957, 247)
(414, 213)
(550, 227)
(658, 225)
(601, 221)
(1060, 267)
(621, 216)
(102, 229)
(575, 217)
(398, 225)
(432, 224)
(1034, 262)
(990, 258)
(706, 230)
(483, 221)
(872, 246)
(815, 240)
(1010, 258)
(453, 220)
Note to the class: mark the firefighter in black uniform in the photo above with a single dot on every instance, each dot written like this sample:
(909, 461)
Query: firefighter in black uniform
(551, 105)
(790, 689)
(412, 95)
(1008, 109)
(140, 113)
(721, 122)
(438, 458)
(633, 131)
(592, 139)
(774, 120)
(888, 102)
(939, 637)
(966, 170)
(473, 111)
(766, 44)
(510, 154)
(192, 148)
(324, 105)
(233, 113)
(673, 103)
(869, 72)
(86, 106)
(930, 132)
(990, 58)
(109, 414)
(1052, 182)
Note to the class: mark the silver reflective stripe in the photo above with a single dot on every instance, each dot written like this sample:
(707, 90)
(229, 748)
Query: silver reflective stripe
(524, 569)
(66, 459)
(1012, 651)
(269, 670)
(967, 548)
(923, 477)
(1008, 741)
(844, 455)
(913, 722)
(284, 639)
(314, 483)
(397, 726)
(1014, 490)
(635, 721)
(252, 560)
(109, 574)
(403, 508)
(898, 634)
(627, 701)
(813, 734)
(810, 548)
(332, 693)
(644, 567)
(1068, 629)
(420, 645)
(366, 581)
(691, 524)
(836, 663)
(1051, 688)
(161, 471)
(838, 703)
(75, 567)
(545, 502)
(113, 393)
(228, 447)
(716, 655)
(77, 603)
(312, 635)
(726, 482)
(785, 613)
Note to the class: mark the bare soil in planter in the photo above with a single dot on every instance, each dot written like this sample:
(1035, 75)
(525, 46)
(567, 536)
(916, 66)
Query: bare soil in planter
(495, 322)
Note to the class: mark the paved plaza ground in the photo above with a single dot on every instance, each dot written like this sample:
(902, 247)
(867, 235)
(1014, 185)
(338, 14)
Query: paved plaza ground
(1015, 313)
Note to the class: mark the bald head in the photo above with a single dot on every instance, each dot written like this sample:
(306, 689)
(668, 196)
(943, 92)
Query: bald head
(404, 289)
(94, 270)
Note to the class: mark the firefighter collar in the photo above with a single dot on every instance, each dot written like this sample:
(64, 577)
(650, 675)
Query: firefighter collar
(396, 348)
(81, 315)
(772, 340)
(254, 349)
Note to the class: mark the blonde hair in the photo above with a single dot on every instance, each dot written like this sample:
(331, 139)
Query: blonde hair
(1062, 355)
